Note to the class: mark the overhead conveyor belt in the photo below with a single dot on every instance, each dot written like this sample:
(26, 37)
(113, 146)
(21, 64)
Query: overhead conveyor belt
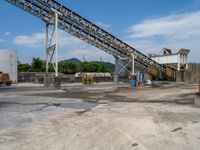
(85, 30)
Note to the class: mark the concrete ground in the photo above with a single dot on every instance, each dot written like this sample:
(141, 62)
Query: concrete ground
(98, 117)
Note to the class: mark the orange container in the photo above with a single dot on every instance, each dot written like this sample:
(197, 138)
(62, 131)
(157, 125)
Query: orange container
(170, 72)
(154, 72)
(199, 84)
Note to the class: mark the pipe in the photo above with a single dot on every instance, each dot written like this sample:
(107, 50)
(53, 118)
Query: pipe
(133, 65)
(56, 40)
(199, 84)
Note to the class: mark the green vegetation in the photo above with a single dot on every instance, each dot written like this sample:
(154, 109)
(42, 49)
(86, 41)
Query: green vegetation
(69, 66)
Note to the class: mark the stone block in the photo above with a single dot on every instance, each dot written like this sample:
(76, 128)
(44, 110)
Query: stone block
(197, 100)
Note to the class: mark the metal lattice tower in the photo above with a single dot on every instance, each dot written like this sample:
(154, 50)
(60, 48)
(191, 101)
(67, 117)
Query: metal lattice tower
(85, 30)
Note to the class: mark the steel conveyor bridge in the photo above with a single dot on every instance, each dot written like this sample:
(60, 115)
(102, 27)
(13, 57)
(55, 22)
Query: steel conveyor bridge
(85, 30)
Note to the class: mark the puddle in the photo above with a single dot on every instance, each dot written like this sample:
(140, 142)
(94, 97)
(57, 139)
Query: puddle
(13, 114)
(84, 105)
(27, 107)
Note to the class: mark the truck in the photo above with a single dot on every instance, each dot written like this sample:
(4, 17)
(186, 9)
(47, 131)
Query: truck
(5, 79)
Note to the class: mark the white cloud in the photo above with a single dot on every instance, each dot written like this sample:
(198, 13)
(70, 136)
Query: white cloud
(90, 54)
(69, 46)
(2, 40)
(67, 40)
(7, 33)
(33, 41)
(174, 31)
(37, 40)
(176, 26)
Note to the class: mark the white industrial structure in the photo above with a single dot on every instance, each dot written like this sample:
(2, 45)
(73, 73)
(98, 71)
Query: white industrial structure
(177, 60)
(8, 63)
(106, 74)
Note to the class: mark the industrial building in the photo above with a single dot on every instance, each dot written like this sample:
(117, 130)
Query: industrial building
(177, 60)
(8, 63)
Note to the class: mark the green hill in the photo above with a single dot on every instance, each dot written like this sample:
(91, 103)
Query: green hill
(109, 65)
(76, 61)
(69, 66)
(72, 60)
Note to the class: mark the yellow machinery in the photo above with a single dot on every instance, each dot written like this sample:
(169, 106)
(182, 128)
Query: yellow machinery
(154, 72)
(87, 79)
(170, 72)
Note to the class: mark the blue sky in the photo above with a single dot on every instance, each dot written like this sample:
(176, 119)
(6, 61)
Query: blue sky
(148, 25)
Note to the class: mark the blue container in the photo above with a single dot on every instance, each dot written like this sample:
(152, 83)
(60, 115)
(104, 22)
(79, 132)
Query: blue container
(138, 77)
(141, 77)
(132, 83)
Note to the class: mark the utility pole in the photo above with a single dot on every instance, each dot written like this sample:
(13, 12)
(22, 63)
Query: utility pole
(101, 58)
(56, 42)
(47, 81)
(52, 50)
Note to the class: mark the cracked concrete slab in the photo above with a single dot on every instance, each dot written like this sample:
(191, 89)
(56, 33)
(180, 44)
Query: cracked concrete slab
(154, 118)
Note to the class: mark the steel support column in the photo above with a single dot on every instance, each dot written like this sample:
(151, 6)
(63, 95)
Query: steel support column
(116, 73)
(133, 65)
(46, 78)
(56, 43)
(52, 51)
(46, 51)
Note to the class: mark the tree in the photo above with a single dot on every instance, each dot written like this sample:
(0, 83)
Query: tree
(72, 68)
(38, 65)
(85, 67)
(102, 68)
(68, 68)
(24, 67)
(93, 67)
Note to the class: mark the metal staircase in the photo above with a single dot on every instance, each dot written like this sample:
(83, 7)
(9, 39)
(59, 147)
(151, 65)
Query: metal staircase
(85, 30)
